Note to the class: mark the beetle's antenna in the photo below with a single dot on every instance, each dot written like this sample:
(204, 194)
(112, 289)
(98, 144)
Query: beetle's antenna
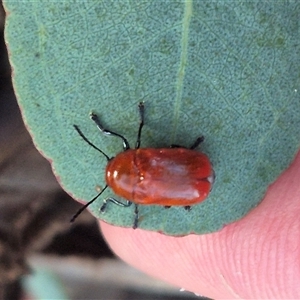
(86, 205)
(90, 143)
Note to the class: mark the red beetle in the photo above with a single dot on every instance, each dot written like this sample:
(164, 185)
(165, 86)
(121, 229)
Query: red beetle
(154, 176)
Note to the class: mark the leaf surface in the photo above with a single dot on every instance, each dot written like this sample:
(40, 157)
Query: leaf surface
(228, 70)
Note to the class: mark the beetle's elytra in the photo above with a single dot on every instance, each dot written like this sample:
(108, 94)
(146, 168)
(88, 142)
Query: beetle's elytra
(154, 176)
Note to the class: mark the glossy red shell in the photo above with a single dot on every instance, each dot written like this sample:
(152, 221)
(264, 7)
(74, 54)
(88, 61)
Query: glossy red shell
(163, 176)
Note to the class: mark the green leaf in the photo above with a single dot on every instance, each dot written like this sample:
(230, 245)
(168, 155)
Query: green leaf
(228, 70)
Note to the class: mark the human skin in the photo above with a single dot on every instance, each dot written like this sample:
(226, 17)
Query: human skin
(257, 257)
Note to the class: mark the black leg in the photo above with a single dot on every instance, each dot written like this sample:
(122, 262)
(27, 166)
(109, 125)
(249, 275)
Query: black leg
(115, 201)
(136, 217)
(141, 111)
(188, 208)
(95, 118)
(176, 146)
(122, 204)
(198, 141)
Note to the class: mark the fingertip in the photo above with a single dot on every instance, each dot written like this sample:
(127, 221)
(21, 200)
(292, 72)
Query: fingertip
(250, 258)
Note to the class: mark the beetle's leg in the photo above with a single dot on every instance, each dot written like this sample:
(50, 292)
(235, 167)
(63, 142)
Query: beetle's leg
(136, 217)
(115, 201)
(141, 111)
(187, 207)
(167, 206)
(198, 141)
(86, 205)
(95, 118)
(122, 204)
